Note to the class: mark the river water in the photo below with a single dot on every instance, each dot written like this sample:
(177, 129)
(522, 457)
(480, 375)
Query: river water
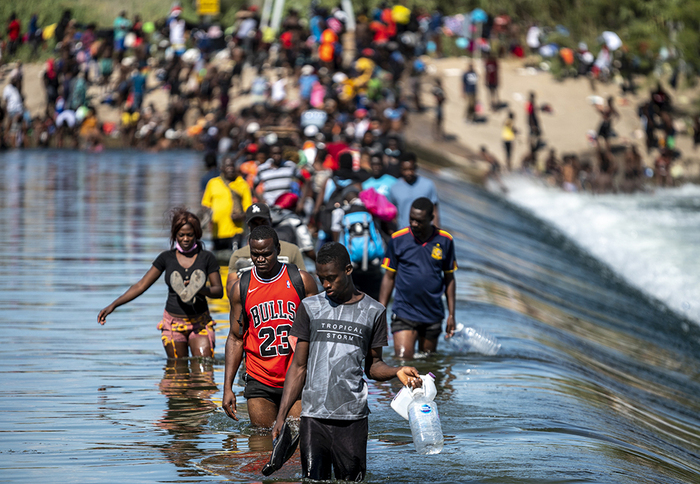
(651, 239)
(595, 380)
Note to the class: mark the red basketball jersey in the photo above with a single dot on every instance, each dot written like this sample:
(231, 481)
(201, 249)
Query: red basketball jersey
(271, 306)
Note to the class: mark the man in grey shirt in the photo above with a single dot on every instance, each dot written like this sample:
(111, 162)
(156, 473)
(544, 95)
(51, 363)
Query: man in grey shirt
(410, 187)
(336, 330)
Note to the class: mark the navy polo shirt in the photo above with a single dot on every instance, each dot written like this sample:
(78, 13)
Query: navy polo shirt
(420, 268)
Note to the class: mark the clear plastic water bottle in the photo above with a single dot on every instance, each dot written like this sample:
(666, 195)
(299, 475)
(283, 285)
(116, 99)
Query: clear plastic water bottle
(425, 424)
(467, 339)
(406, 395)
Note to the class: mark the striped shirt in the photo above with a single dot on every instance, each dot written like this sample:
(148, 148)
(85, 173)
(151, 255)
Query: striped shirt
(273, 181)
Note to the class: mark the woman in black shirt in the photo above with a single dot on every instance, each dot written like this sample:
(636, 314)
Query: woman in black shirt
(186, 324)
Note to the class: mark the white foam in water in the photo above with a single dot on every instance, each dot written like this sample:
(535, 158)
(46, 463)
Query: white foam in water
(650, 239)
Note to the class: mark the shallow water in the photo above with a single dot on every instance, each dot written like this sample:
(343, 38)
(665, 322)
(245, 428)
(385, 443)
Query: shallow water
(594, 382)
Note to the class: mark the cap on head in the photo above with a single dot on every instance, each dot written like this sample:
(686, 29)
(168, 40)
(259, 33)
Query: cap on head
(310, 131)
(257, 210)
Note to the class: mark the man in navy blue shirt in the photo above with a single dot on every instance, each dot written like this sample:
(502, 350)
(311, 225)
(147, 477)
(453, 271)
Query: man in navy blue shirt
(469, 81)
(420, 264)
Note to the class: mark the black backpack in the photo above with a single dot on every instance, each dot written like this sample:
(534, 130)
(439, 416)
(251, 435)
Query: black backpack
(294, 276)
(285, 231)
(336, 200)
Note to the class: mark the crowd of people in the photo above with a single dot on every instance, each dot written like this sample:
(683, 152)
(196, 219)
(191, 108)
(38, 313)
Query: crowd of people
(173, 84)
(303, 350)
(325, 176)
(615, 167)
(102, 83)
(314, 166)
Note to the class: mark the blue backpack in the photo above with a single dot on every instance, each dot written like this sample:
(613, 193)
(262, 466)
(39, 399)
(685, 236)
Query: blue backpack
(361, 237)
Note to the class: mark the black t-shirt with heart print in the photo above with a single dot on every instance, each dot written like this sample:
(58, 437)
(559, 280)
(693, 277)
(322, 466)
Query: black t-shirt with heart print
(167, 263)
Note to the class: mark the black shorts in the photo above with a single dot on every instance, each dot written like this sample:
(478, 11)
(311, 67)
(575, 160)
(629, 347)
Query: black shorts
(340, 444)
(256, 389)
(425, 330)
(509, 148)
(230, 243)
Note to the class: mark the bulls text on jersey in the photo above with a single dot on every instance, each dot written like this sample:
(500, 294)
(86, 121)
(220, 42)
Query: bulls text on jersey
(268, 310)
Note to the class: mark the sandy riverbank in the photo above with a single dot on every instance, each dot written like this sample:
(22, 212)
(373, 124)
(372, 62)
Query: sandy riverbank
(564, 129)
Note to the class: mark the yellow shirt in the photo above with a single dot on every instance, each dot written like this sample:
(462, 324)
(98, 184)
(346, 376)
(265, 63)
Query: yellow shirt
(219, 197)
(508, 134)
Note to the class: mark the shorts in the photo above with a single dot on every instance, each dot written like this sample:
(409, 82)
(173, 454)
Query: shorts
(182, 330)
(340, 445)
(256, 389)
(66, 117)
(425, 330)
(15, 113)
(229, 243)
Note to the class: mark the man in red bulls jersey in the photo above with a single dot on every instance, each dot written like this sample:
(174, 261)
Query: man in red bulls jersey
(263, 306)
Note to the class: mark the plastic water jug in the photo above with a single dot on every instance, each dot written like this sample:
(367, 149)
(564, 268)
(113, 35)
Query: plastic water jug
(467, 339)
(425, 424)
(405, 396)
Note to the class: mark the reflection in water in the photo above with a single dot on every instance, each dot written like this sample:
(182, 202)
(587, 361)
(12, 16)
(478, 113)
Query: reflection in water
(245, 453)
(593, 383)
(188, 384)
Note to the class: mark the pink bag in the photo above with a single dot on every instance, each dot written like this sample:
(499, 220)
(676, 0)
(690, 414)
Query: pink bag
(378, 205)
(318, 93)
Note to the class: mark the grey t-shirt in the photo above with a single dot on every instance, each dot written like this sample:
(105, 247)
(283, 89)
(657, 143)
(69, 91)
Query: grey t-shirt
(402, 195)
(340, 337)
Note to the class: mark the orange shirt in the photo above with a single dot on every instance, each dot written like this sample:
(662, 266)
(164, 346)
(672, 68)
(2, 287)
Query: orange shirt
(249, 169)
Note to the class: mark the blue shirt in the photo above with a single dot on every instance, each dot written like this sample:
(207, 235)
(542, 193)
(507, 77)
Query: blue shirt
(315, 27)
(469, 80)
(305, 85)
(331, 186)
(381, 185)
(420, 267)
(402, 195)
(138, 82)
